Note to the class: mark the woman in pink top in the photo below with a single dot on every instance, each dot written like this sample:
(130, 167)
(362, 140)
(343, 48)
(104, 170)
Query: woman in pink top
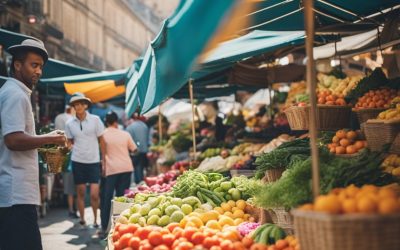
(117, 165)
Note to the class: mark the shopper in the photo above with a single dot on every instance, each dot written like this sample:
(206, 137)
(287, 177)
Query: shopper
(116, 165)
(84, 131)
(19, 178)
(68, 179)
(140, 135)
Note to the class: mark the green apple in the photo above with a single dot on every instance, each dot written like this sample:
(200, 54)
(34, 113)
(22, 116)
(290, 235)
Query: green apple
(177, 216)
(170, 209)
(186, 209)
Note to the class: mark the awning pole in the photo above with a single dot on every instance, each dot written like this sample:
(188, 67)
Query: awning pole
(270, 108)
(311, 88)
(160, 132)
(193, 122)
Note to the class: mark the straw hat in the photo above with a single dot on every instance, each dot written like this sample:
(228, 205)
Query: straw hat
(30, 45)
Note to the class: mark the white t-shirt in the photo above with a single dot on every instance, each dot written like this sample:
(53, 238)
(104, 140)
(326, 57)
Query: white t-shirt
(61, 120)
(85, 135)
(19, 170)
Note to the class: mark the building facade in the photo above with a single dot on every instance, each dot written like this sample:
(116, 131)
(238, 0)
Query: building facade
(98, 34)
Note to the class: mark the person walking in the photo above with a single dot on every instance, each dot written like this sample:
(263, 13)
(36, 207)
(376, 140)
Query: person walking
(68, 179)
(116, 165)
(19, 165)
(140, 135)
(84, 132)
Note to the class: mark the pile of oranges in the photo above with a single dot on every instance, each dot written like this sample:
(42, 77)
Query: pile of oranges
(326, 97)
(289, 243)
(380, 98)
(346, 142)
(368, 199)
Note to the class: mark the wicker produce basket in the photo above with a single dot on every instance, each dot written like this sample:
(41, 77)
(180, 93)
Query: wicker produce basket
(318, 231)
(365, 114)
(240, 172)
(56, 159)
(380, 133)
(395, 148)
(282, 218)
(329, 117)
(273, 175)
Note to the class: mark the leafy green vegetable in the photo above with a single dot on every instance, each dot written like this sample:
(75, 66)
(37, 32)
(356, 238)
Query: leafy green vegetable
(281, 156)
(294, 187)
(181, 142)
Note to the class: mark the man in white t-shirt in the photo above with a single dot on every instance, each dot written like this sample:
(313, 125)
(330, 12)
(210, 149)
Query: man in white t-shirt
(84, 132)
(19, 166)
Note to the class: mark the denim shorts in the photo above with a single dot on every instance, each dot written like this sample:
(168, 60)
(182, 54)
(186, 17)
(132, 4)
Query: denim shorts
(86, 172)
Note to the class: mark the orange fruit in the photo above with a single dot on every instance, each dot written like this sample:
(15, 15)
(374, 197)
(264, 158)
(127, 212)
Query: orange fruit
(366, 205)
(341, 134)
(386, 193)
(328, 203)
(351, 135)
(344, 142)
(359, 145)
(340, 150)
(335, 139)
(388, 206)
(351, 191)
(370, 189)
(349, 206)
(351, 150)
(307, 207)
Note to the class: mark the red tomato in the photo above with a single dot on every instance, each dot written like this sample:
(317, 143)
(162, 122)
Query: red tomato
(188, 232)
(168, 239)
(161, 247)
(124, 240)
(123, 229)
(134, 242)
(115, 236)
(142, 233)
(132, 228)
(226, 245)
(155, 238)
(146, 246)
(117, 246)
(198, 238)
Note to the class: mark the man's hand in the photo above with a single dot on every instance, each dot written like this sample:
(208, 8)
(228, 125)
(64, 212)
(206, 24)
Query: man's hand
(58, 137)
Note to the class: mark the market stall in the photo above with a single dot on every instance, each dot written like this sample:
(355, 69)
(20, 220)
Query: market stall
(332, 186)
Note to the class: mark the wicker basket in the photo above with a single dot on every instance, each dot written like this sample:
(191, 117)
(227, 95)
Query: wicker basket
(273, 175)
(240, 172)
(380, 133)
(365, 114)
(395, 148)
(56, 159)
(329, 117)
(282, 217)
(317, 231)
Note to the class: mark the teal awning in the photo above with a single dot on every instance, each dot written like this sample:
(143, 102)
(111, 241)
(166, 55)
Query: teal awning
(153, 89)
(53, 68)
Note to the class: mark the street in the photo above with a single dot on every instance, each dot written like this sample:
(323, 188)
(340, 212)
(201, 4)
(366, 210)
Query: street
(63, 233)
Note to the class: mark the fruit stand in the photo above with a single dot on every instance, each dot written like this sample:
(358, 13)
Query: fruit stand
(334, 187)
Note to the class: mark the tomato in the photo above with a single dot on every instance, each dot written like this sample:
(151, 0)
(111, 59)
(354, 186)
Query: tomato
(238, 245)
(161, 247)
(226, 245)
(146, 246)
(168, 239)
(134, 242)
(155, 238)
(117, 246)
(124, 240)
(209, 242)
(123, 229)
(185, 246)
(247, 241)
(132, 228)
(127, 248)
(178, 232)
(172, 226)
(142, 232)
(188, 232)
(115, 236)
(215, 248)
(198, 238)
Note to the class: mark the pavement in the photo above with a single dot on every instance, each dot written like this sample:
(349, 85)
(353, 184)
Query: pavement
(63, 233)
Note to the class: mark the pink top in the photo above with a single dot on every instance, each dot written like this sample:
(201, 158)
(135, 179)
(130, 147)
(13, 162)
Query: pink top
(118, 143)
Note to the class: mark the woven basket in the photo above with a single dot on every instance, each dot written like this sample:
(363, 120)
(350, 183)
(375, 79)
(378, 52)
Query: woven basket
(240, 172)
(273, 175)
(329, 117)
(55, 159)
(379, 133)
(281, 217)
(317, 231)
(395, 148)
(365, 114)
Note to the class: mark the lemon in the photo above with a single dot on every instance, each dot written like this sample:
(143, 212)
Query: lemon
(219, 210)
(238, 221)
(226, 207)
(232, 203)
(213, 224)
(238, 214)
(241, 204)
